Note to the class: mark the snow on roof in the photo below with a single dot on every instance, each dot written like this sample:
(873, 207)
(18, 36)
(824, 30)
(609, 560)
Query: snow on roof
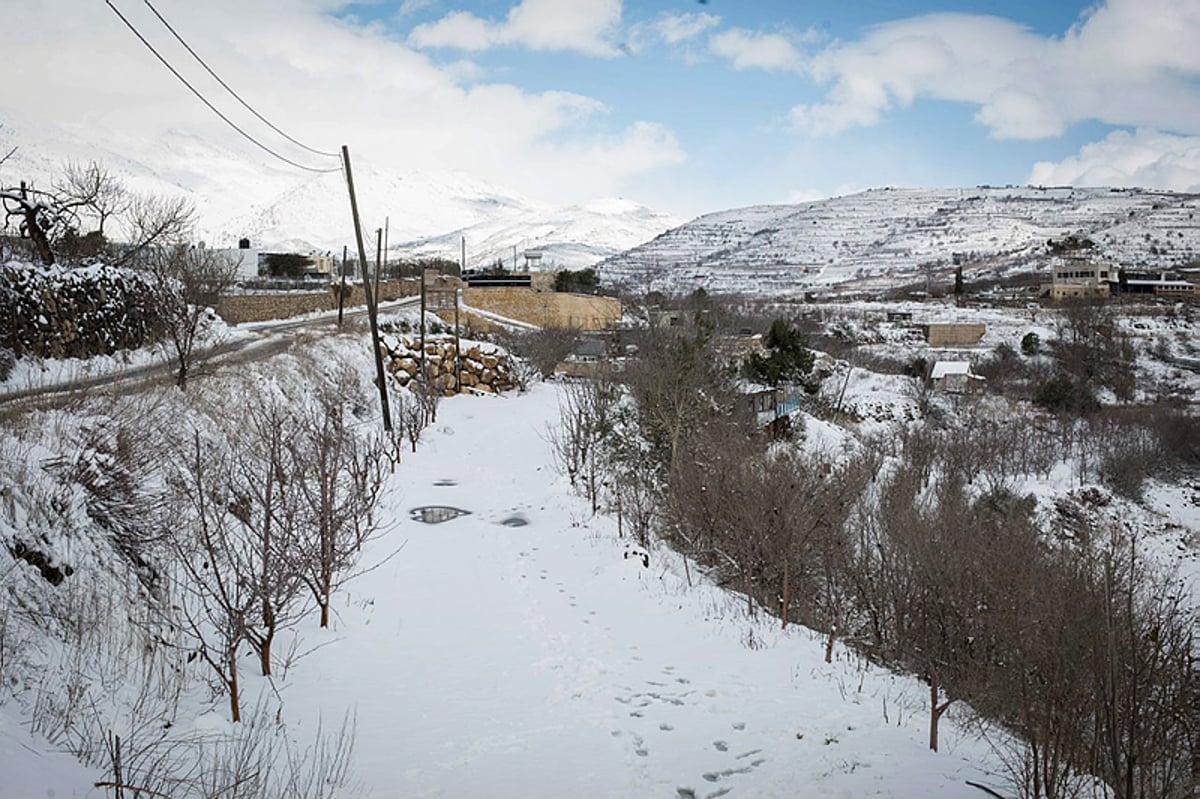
(943, 368)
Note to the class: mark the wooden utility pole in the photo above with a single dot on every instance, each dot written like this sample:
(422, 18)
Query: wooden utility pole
(378, 258)
(342, 289)
(380, 377)
(457, 347)
(422, 360)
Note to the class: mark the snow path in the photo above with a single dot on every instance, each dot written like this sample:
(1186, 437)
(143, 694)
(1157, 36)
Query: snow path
(519, 661)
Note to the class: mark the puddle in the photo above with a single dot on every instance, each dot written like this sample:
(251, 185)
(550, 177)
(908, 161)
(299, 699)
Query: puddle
(436, 514)
(445, 482)
(516, 520)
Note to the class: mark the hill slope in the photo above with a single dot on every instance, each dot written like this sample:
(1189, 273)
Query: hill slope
(284, 208)
(891, 236)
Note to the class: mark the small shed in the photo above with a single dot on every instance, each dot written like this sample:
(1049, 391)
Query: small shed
(955, 377)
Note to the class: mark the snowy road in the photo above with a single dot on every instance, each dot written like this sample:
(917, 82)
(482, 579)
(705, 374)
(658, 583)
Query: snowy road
(528, 661)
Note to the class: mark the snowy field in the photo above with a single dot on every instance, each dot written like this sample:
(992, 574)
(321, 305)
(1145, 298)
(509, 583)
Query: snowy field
(523, 649)
(515, 652)
(494, 658)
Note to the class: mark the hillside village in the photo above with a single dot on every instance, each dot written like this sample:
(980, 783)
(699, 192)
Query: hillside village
(935, 502)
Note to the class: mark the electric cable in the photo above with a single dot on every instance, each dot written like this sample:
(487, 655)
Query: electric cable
(205, 100)
(227, 88)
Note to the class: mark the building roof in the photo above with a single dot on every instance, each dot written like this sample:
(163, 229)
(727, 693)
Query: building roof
(943, 368)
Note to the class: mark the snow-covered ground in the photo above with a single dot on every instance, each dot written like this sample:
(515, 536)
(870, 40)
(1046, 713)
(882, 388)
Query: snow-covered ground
(523, 649)
(515, 651)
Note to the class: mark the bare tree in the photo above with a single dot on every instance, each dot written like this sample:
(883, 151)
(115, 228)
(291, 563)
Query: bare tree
(262, 496)
(411, 413)
(585, 421)
(54, 219)
(190, 282)
(217, 592)
(154, 223)
(334, 519)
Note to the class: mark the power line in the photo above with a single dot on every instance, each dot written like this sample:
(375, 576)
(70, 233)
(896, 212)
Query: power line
(227, 88)
(204, 99)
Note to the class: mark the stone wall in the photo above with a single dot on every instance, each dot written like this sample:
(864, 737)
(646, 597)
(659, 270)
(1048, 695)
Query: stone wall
(57, 312)
(240, 308)
(484, 367)
(547, 308)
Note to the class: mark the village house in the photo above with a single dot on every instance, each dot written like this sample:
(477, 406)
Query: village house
(955, 377)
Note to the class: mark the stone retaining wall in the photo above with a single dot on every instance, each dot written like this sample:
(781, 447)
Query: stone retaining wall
(547, 308)
(57, 312)
(240, 308)
(484, 367)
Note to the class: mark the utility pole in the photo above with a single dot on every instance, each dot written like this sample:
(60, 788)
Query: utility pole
(378, 259)
(422, 360)
(386, 222)
(380, 378)
(462, 267)
(457, 347)
(342, 289)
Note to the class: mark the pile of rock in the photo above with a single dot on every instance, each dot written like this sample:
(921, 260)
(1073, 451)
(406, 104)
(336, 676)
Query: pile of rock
(484, 367)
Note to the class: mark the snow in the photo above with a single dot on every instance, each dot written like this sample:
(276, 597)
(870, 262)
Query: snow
(870, 241)
(943, 368)
(483, 658)
(486, 659)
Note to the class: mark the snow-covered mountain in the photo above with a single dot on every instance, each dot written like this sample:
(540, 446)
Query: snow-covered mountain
(237, 197)
(893, 236)
(575, 237)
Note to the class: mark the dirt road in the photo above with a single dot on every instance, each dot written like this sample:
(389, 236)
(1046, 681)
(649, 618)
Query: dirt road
(266, 340)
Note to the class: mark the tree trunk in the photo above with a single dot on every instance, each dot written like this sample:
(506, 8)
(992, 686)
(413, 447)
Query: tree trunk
(38, 236)
(935, 710)
(325, 614)
(829, 639)
(264, 653)
(235, 709)
(749, 595)
(783, 611)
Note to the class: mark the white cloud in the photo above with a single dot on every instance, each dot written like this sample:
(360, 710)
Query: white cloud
(583, 26)
(755, 50)
(676, 28)
(1145, 158)
(1127, 62)
(324, 80)
(460, 30)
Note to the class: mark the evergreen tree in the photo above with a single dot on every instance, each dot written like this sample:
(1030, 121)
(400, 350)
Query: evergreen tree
(788, 358)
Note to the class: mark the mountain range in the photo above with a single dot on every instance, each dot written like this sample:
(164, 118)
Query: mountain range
(887, 237)
(869, 241)
(424, 213)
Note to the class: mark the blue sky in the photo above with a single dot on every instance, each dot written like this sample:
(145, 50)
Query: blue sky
(685, 106)
(734, 122)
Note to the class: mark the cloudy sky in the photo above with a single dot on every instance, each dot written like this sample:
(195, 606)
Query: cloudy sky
(685, 106)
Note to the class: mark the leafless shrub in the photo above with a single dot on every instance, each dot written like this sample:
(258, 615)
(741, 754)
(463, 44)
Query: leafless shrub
(190, 283)
(333, 517)
(585, 420)
(544, 349)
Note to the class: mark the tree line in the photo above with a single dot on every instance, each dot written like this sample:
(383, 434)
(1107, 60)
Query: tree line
(1068, 650)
